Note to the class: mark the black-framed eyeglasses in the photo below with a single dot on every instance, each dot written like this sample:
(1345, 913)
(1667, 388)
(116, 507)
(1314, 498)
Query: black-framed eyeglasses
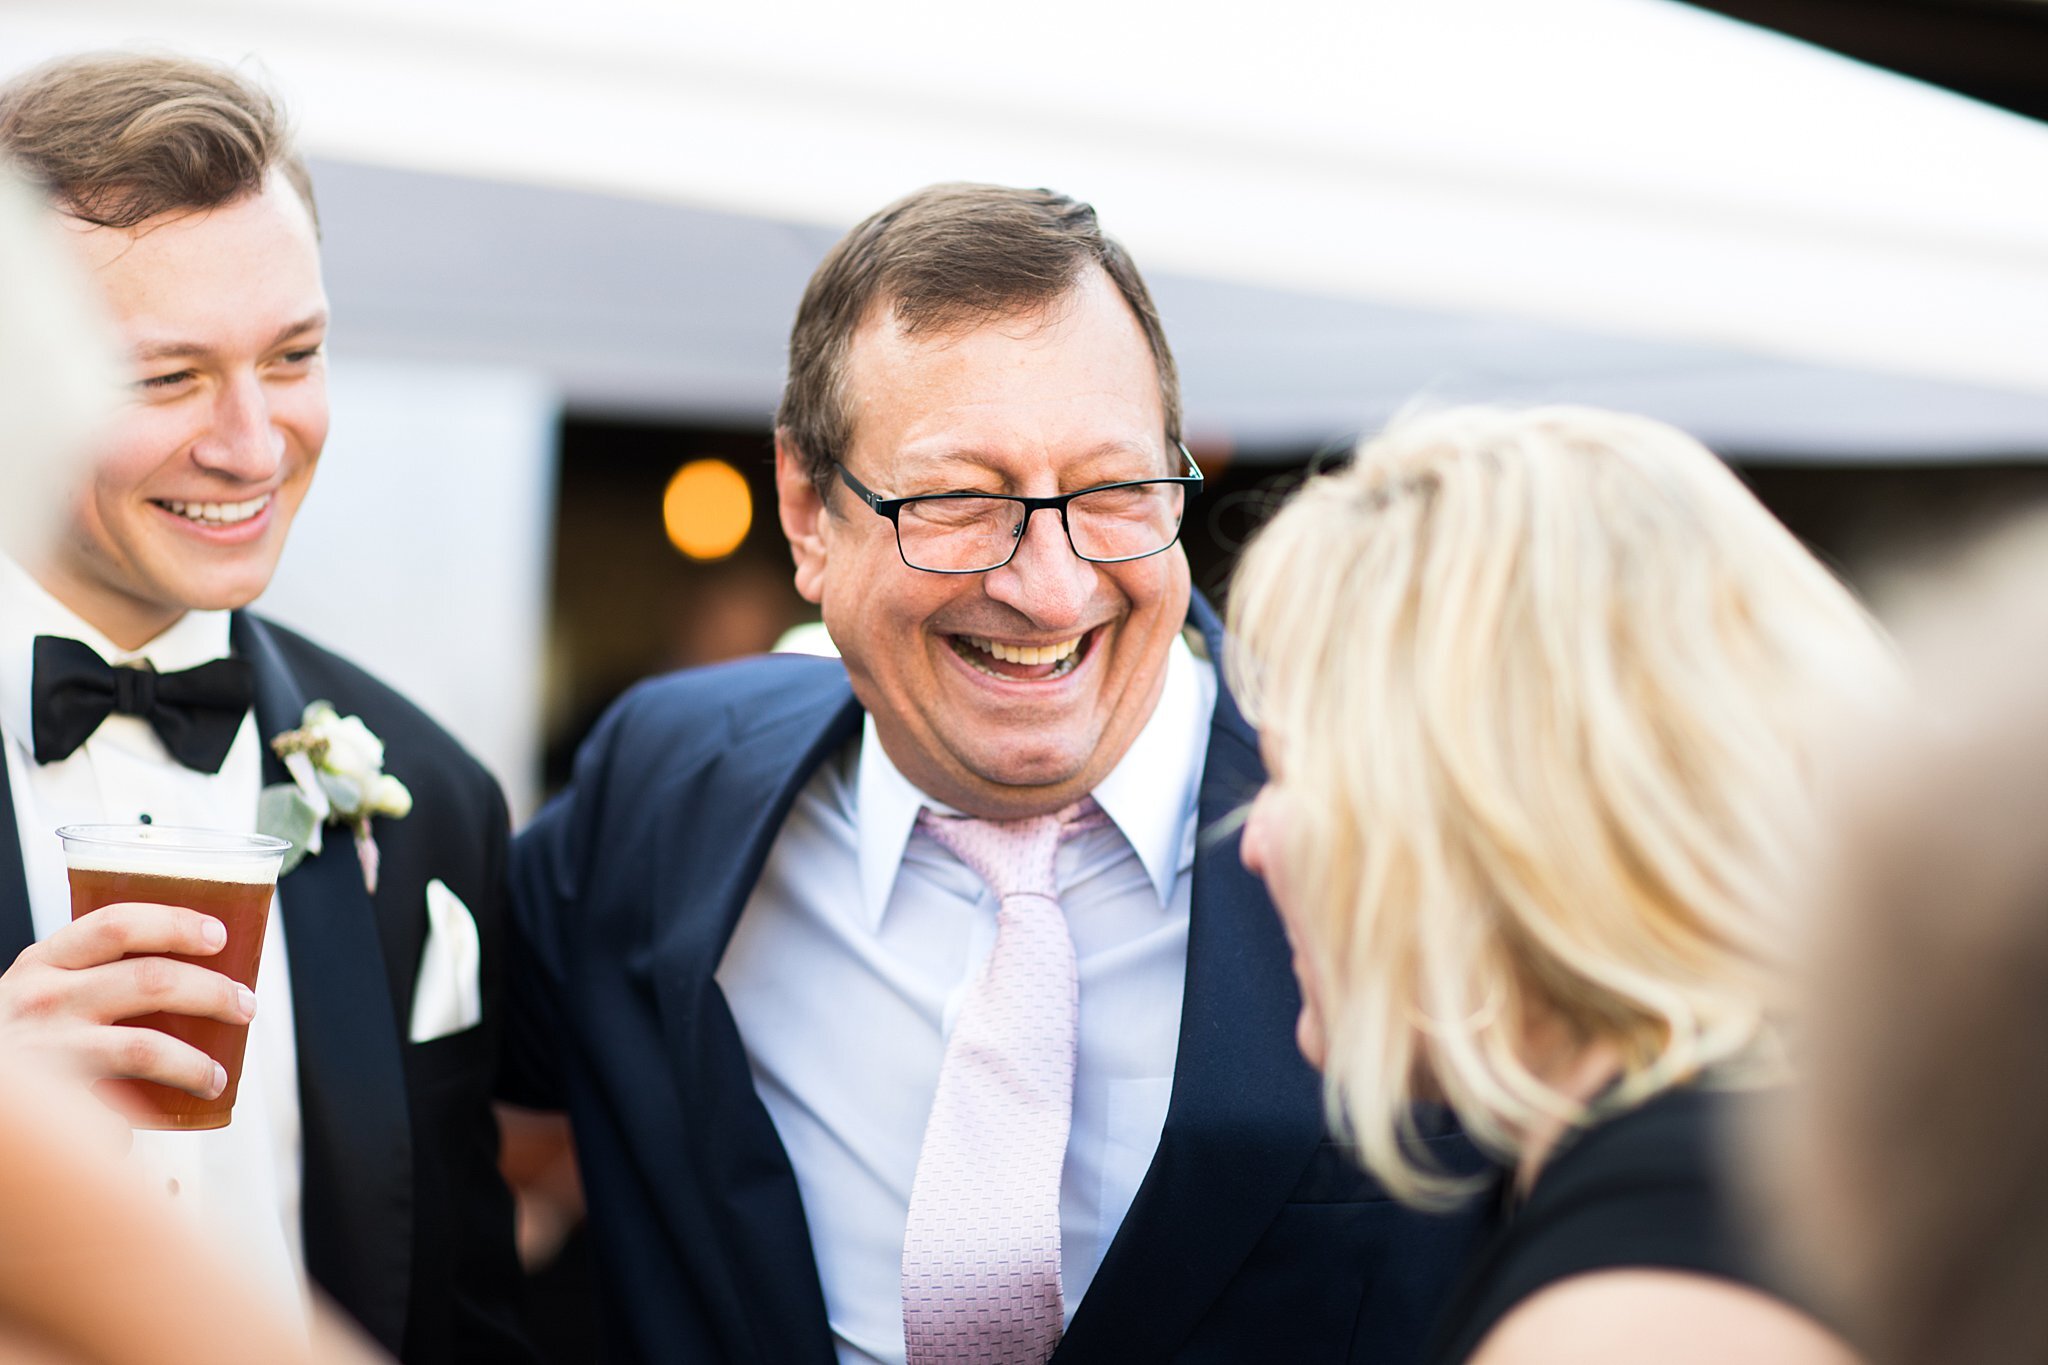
(976, 532)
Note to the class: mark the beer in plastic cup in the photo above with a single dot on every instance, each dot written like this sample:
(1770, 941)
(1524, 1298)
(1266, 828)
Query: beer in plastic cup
(228, 876)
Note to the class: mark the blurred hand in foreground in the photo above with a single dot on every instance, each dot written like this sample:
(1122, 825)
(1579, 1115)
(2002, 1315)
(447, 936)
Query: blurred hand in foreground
(95, 1267)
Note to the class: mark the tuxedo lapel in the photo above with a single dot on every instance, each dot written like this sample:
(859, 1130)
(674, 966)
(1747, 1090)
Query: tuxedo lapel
(764, 1267)
(1244, 1119)
(357, 1137)
(17, 923)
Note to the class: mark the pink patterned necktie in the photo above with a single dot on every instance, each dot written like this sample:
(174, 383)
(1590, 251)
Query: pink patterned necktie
(981, 1248)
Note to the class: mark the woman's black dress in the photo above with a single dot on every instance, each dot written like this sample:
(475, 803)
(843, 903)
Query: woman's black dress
(1645, 1188)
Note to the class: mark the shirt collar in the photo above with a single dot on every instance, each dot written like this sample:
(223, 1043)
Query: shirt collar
(27, 610)
(1167, 756)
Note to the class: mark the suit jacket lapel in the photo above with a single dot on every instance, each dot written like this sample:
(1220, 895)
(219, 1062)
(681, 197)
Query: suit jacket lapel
(765, 1267)
(357, 1136)
(17, 923)
(1245, 1115)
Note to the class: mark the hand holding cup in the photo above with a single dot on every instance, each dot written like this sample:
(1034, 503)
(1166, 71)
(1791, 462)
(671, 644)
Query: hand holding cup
(151, 988)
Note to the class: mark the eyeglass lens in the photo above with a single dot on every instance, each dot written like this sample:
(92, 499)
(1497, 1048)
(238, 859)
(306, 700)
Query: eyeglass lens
(968, 534)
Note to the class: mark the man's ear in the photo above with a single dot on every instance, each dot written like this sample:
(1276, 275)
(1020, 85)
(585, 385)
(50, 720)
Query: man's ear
(804, 517)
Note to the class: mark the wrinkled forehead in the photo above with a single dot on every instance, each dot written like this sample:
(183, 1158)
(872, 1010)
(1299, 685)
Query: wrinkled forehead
(893, 341)
(1070, 383)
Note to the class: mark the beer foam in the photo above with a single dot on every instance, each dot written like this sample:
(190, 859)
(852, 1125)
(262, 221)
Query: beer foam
(164, 851)
(152, 863)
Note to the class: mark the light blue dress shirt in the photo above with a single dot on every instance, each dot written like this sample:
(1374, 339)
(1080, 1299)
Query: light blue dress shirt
(854, 953)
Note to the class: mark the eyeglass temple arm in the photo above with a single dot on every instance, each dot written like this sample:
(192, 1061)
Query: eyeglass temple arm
(866, 494)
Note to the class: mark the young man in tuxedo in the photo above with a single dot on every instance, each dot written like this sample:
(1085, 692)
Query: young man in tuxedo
(362, 1151)
(904, 1006)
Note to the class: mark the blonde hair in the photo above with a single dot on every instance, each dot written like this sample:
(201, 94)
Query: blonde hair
(1540, 686)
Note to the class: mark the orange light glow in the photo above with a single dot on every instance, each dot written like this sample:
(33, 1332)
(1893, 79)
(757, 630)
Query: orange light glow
(708, 509)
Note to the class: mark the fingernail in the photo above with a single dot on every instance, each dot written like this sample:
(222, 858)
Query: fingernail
(247, 999)
(220, 1081)
(215, 933)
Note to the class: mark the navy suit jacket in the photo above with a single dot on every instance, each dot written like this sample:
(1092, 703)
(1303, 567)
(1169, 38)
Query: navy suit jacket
(407, 1224)
(1252, 1237)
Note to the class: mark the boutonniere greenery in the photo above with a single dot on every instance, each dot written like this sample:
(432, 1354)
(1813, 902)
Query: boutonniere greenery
(338, 778)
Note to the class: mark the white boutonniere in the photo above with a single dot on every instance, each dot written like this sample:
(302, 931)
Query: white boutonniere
(338, 778)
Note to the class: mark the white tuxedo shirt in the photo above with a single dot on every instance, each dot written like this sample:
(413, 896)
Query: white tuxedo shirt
(240, 1183)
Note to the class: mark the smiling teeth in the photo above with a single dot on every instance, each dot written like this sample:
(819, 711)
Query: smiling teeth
(1026, 654)
(219, 513)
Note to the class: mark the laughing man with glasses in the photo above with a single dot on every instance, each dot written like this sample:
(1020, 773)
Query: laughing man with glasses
(830, 1105)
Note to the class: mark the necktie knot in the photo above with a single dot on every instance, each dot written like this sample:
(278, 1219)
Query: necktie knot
(1015, 857)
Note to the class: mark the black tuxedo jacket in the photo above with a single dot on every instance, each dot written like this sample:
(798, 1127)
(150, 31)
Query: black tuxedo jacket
(1252, 1238)
(407, 1223)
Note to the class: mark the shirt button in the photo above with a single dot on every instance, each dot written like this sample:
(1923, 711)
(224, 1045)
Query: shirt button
(172, 1186)
(144, 818)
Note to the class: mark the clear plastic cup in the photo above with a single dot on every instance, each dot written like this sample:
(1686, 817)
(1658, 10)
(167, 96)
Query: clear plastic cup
(228, 876)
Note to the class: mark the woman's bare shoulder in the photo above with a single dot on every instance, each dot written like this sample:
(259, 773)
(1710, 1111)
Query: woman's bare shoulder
(1626, 1316)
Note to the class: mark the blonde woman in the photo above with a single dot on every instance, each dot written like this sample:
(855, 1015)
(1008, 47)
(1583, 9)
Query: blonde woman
(1536, 692)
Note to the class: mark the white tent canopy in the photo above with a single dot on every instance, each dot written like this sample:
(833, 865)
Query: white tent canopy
(666, 310)
(1345, 206)
(1342, 206)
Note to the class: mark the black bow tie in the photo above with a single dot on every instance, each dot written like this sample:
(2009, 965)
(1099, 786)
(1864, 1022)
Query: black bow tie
(195, 712)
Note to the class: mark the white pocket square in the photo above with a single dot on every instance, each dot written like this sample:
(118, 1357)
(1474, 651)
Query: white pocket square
(448, 997)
